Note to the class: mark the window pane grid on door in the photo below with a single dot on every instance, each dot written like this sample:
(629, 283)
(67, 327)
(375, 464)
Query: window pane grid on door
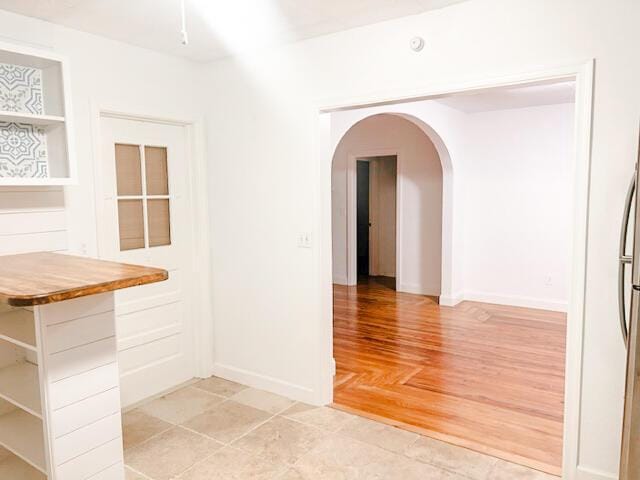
(128, 169)
(157, 179)
(142, 196)
(130, 215)
(158, 220)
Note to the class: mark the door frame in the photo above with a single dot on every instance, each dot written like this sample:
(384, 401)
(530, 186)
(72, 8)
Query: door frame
(352, 210)
(582, 72)
(198, 289)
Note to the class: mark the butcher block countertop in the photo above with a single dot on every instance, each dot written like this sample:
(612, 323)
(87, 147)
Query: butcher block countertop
(39, 278)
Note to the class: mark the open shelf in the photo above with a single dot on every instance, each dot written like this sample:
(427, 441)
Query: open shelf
(12, 467)
(39, 120)
(30, 118)
(19, 385)
(18, 327)
(21, 433)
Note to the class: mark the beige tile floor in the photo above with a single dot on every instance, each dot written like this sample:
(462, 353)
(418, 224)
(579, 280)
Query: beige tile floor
(216, 429)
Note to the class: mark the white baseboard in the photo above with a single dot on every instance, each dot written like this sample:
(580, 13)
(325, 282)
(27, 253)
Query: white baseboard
(340, 280)
(416, 289)
(584, 473)
(451, 300)
(264, 382)
(512, 300)
(516, 301)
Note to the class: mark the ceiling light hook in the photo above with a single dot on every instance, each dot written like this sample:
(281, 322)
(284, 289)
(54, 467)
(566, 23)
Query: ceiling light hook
(183, 32)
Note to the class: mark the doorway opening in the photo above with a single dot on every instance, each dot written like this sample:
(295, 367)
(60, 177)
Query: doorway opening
(469, 348)
(363, 217)
(376, 219)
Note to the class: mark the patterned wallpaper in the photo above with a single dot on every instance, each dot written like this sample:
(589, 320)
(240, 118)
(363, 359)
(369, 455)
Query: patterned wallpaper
(23, 147)
(21, 89)
(23, 151)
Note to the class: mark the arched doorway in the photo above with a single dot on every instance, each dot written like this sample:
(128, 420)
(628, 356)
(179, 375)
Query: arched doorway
(421, 238)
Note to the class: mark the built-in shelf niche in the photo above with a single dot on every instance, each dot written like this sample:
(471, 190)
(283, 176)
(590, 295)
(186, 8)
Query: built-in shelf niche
(13, 467)
(22, 434)
(34, 110)
(21, 424)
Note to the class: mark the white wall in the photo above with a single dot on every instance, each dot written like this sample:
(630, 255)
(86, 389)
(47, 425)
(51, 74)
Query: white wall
(517, 189)
(420, 195)
(267, 181)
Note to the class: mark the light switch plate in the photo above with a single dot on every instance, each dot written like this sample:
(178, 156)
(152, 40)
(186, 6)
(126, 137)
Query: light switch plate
(304, 240)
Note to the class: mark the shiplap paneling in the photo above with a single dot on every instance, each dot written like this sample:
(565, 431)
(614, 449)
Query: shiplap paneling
(80, 376)
(32, 219)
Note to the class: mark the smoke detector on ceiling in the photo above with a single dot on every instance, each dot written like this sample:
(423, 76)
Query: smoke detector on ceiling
(417, 44)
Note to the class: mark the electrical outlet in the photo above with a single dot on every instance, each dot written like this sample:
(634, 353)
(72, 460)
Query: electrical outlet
(304, 240)
(548, 281)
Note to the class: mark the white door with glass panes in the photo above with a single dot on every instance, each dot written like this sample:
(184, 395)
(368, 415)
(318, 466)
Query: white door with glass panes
(146, 220)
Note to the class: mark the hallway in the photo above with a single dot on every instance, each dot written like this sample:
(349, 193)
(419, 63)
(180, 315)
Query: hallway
(486, 377)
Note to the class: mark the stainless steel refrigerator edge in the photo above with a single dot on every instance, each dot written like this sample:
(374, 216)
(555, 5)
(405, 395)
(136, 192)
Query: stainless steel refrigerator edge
(630, 453)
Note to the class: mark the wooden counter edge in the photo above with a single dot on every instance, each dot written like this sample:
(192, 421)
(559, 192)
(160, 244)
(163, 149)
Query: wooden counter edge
(59, 296)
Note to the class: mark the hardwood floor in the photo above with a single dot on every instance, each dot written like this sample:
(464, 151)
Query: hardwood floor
(486, 377)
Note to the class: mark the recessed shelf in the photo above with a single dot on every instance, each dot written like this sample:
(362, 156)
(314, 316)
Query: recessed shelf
(12, 467)
(19, 385)
(39, 122)
(30, 118)
(21, 433)
(17, 327)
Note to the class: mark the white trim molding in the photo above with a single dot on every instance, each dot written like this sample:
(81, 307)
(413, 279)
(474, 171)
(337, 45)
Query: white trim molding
(584, 473)
(417, 289)
(340, 280)
(352, 208)
(516, 301)
(201, 302)
(451, 300)
(265, 382)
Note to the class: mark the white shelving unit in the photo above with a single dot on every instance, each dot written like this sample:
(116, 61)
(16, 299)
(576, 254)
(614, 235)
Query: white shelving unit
(21, 425)
(13, 467)
(42, 121)
(59, 379)
(19, 385)
(60, 420)
(17, 327)
(30, 118)
(22, 434)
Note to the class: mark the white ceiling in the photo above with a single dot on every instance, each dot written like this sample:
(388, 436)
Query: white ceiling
(514, 97)
(217, 28)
